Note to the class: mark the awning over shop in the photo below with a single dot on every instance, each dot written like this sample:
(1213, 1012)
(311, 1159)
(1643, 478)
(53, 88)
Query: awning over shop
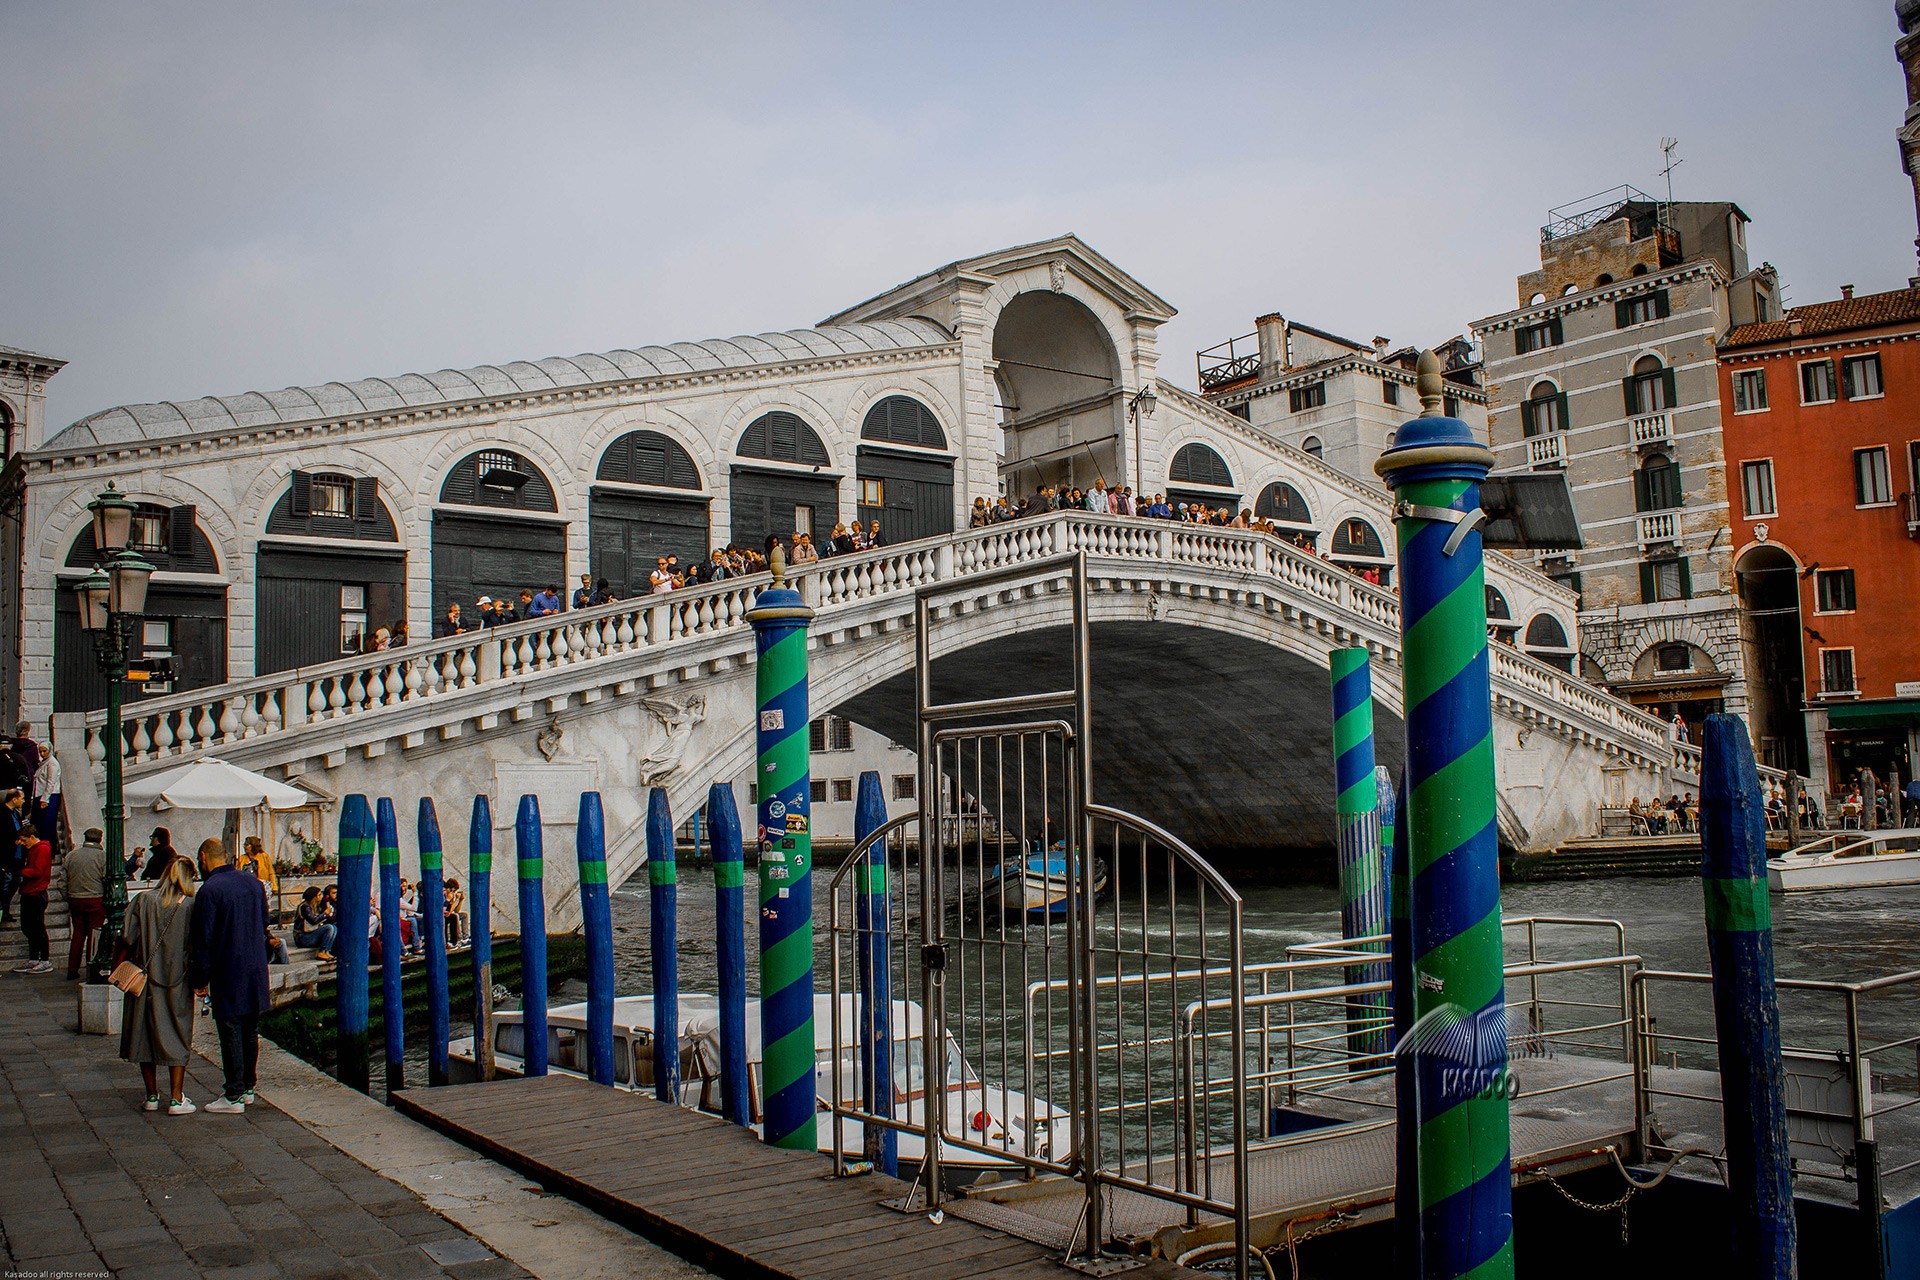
(1890, 713)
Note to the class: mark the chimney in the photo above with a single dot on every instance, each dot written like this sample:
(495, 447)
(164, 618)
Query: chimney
(1846, 292)
(1272, 330)
(1380, 345)
(1793, 326)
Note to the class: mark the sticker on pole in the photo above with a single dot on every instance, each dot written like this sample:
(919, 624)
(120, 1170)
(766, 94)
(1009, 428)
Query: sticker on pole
(772, 720)
(776, 809)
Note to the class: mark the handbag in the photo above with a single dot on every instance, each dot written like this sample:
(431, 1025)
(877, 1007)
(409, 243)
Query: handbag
(128, 977)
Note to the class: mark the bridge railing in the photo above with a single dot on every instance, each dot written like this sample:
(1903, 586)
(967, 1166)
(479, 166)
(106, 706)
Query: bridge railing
(182, 725)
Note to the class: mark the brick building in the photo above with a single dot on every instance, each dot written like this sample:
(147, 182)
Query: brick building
(1822, 434)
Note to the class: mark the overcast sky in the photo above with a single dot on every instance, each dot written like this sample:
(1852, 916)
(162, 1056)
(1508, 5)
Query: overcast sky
(212, 198)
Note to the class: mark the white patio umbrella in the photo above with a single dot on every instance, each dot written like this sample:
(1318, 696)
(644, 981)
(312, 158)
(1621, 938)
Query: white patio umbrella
(213, 784)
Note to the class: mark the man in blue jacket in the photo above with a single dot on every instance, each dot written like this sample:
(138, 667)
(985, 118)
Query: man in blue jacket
(227, 957)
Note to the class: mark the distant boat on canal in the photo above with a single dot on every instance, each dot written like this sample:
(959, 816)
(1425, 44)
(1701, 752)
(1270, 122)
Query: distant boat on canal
(1849, 860)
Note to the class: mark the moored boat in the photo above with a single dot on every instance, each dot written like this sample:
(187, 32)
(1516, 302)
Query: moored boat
(1035, 884)
(1848, 860)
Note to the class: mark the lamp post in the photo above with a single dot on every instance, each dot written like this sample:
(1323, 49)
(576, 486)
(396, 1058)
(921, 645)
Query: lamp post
(1141, 406)
(112, 599)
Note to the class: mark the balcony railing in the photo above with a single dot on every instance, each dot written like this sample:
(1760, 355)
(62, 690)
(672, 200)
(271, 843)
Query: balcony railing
(1652, 428)
(1231, 361)
(1659, 527)
(1547, 451)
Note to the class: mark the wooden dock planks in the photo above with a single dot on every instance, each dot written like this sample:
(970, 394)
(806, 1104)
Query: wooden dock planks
(713, 1193)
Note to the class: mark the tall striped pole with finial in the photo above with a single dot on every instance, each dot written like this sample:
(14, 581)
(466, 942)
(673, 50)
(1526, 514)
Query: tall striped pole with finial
(350, 948)
(1363, 905)
(779, 617)
(1456, 1051)
(393, 1012)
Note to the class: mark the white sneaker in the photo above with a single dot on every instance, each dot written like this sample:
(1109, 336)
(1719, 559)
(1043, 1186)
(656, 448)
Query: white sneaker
(221, 1107)
(43, 966)
(246, 1099)
(151, 1104)
(184, 1107)
(25, 966)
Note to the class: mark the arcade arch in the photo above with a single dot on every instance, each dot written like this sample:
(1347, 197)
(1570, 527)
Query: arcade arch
(780, 484)
(646, 502)
(905, 474)
(496, 532)
(1054, 364)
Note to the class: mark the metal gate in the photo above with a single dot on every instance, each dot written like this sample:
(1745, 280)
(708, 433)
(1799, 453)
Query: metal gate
(1053, 969)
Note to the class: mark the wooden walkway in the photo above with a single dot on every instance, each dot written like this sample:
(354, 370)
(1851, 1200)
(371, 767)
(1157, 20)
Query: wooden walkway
(713, 1193)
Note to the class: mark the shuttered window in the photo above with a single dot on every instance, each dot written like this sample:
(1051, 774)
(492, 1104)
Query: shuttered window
(331, 505)
(648, 457)
(1665, 580)
(1650, 388)
(1309, 397)
(1281, 501)
(1641, 309)
(903, 420)
(1197, 464)
(782, 437)
(1656, 484)
(1536, 337)
(498, 478)
(1544, 411)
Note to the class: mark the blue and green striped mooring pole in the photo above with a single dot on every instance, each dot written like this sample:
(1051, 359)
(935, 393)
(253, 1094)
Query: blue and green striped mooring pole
(779, 617)
(350, 948)
(1746, 1004)
(393, 950)
(1363, 890)
(663, 899)
(480, 932)
(528, 851)
(596, 922)
(730, 947)
(1456, 1050)
(433, 924)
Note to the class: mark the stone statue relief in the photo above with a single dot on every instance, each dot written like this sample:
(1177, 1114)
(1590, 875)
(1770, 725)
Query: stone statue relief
(666, 732)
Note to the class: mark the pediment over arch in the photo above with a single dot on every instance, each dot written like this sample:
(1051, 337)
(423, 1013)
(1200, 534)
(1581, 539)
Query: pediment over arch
(1073, 255)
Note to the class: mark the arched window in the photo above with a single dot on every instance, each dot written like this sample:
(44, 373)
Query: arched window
(1282, 502)
(1356, 537)
(1497, 609)
(1639, 268)
(1197, 464)
(1544, 410)
(648, 457)
(1604, 279)
(496, 477)
(1536, 299)
(1312, 445)
(903, 420)
(326, 504)
(1657, 484)
(1570, 290)
(1545, 632)
(1649, 388)
(782, 437)
(169, 538)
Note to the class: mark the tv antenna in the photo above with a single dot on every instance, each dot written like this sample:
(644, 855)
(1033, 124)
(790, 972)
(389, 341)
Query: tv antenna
(1667, 147)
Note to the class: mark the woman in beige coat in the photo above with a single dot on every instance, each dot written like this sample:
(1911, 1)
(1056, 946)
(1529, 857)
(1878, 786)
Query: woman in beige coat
(157, 1025)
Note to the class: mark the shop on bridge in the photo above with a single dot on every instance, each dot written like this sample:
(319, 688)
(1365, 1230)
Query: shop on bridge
(647, 502)
(781, 484)
(498, 531)
(332, 553)
(185, 621)
(1283, 504)
(1356, 545)
(904, 470)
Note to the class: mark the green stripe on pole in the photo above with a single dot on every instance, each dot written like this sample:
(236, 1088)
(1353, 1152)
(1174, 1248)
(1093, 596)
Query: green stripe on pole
(662, 872)
(729, 875)
(1738, 905)
(593, 871)
(531, 868)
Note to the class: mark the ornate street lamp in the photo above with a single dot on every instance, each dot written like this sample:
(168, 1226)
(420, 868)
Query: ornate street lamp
(112, 598)
(1141, 406)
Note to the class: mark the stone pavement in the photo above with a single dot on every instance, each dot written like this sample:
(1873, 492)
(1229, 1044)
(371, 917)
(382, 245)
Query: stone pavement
(90, 1184)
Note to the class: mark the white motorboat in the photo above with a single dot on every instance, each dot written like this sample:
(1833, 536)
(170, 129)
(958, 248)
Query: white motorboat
(989, 1115)
(1848, 860)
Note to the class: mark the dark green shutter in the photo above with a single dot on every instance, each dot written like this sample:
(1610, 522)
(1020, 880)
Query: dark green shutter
(1660, 303)
(1641, 493)
(1631, 390)
(180, 541)
(1648, 593)
(1526, 418)
(1566, 418)
(302, 494)
(1520, 340)
(1679, 497)
(1554, 333)
(1620, 317)
(1673, 395)
(1686, 579)
(366, 503)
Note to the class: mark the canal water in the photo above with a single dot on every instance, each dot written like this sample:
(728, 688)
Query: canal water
(1846, 936)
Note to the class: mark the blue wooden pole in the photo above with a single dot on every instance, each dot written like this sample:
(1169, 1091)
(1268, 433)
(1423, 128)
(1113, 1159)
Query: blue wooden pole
(876, 983)
(1384, 798)
(730, 947)
(350, 948)
(393, 1009)
(533, 935)
(1746, 1005)
(664, 897)
(596, 917)
(480, 932)
(433, 922)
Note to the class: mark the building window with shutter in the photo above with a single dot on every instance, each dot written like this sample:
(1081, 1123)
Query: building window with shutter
(830, 733)
(1750, 391)
(903, 786)
(1871, 484)
(842, 790)
(1544, 410)
(1836, 671)
(1309, 397)
(1834, 591)
(1650, 389)
(1756, 488)
(1450, 405)
(1816, 382)
(1657, 484)
(331, 496)
(1662, 580)
(1537, 337)
(1640, 310)
(1860, 376)
(151, 529)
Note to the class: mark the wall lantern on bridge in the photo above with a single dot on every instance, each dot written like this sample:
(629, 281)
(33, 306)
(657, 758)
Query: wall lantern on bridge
(1142, 405)
(112, 599)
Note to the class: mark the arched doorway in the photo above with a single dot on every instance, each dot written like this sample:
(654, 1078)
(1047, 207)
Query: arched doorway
(185, 621)
(904, 470)
(1769, 582)
(1061, 409)
(332, 552)
(646, 503)
(781, 484)
(506, 535)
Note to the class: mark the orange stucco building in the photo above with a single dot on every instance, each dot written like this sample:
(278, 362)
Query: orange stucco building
(1821, 419)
